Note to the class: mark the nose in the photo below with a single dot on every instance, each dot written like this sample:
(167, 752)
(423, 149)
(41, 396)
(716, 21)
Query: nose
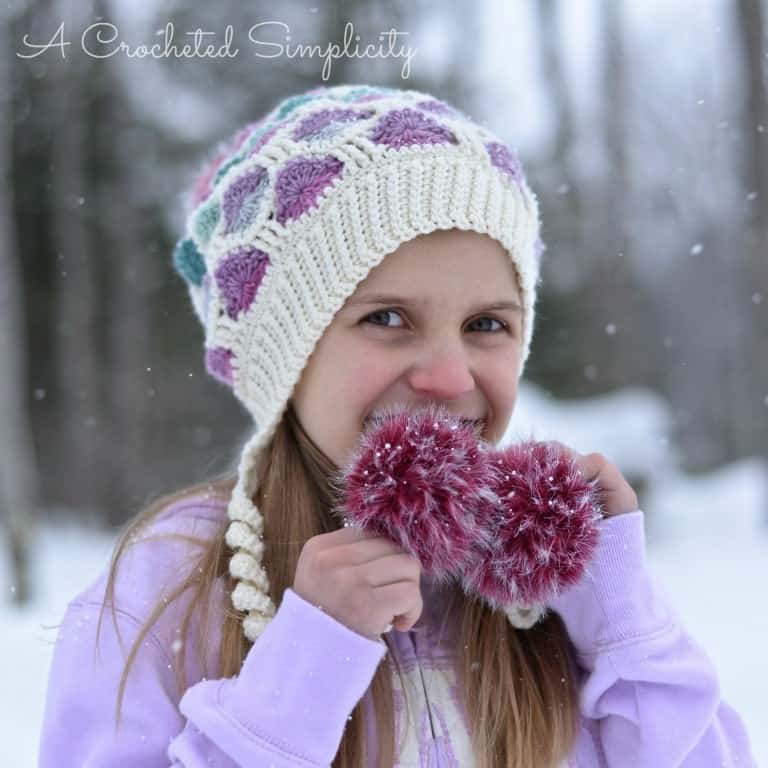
(444, 374)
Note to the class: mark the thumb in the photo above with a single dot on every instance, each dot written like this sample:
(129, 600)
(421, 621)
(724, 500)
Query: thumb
(403, 622)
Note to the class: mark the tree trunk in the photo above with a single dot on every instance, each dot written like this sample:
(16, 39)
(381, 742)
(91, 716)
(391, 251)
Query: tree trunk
(565, 215)
(751, 24)
(80, 368)
(119, 197)
(18, 469)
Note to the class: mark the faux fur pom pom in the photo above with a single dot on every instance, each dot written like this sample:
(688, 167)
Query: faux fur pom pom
(418, 479)
(543, 526)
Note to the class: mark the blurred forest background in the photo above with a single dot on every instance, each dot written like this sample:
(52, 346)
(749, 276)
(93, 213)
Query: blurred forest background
(643, 129)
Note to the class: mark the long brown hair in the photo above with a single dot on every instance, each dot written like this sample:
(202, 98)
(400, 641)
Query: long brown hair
(518, 686)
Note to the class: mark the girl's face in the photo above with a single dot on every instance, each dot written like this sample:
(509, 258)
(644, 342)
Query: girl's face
(420, 329)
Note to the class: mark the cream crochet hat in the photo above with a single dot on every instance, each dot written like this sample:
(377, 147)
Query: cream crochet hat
(290, 215)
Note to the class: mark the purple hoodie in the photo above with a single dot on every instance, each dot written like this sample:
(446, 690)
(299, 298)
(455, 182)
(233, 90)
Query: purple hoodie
(649, 695)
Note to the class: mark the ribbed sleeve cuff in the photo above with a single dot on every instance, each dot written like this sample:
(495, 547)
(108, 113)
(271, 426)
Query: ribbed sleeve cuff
(298, 685)
(616, 601)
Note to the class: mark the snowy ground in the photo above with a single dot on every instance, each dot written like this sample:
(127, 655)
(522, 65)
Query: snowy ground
(707, 546)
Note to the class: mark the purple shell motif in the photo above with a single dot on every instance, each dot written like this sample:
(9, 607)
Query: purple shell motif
(300, 182)
(404, 127)
(505, 160)
(326, 123)
(218, 362)
(238, 278)
(242, 199)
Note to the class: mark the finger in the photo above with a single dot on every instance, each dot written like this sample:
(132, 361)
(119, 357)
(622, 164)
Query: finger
(577, 458)
(588, 468)
(590, 465)
(390, 569)
(595, 465)
(567, 449)
(405, 609)
(342, 536)
(370, 549)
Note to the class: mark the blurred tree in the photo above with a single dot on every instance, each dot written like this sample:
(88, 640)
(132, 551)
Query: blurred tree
(563, 205)
(751, 23)
(558, 367)
(124, 266)
(18, 464)
(81, 443)
(589, 281)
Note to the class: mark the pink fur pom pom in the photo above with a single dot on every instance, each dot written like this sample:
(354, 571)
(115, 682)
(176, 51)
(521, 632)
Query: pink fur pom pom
(543, 526)
(418, 478)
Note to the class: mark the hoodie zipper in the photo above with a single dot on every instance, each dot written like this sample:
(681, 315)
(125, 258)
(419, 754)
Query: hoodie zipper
(423, 685)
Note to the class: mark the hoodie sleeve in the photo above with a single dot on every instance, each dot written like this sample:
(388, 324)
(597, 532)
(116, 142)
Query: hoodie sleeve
(649, 694)
(290, 703)
(287, 707)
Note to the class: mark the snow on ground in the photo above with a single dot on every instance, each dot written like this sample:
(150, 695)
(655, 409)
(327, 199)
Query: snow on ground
(707, 547)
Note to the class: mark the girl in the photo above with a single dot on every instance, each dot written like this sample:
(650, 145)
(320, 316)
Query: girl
(357, 247)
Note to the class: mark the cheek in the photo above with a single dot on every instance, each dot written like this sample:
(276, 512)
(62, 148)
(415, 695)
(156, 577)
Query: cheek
(500, 385)
(365, 379)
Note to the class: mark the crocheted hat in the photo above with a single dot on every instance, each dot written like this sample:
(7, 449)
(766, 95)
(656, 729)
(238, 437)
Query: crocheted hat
(292, 213)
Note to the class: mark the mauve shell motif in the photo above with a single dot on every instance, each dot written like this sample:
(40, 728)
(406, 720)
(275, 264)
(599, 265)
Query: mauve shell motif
(326, 123)
(243, 198)
(406, 127)
(238, 278)
(503, 158)
(218, 362)
(301, 182)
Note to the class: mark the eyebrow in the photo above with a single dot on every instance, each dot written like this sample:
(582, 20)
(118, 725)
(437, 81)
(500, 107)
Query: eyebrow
(381, 298)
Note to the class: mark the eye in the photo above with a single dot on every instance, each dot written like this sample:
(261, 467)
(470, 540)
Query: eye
(380, 313)
(503, 325)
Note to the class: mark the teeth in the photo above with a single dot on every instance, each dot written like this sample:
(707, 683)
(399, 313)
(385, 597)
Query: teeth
(473, 422)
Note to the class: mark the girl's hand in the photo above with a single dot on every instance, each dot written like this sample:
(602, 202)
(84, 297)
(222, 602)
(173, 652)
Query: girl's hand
(362, 580)
(616, 495)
